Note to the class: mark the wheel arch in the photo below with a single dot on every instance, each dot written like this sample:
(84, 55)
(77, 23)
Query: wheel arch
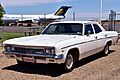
(75, 52)
(109, 42)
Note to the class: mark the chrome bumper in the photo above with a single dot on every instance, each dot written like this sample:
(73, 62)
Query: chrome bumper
(35, 58)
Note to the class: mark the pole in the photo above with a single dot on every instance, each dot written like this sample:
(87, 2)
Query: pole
(101, 2)
(73, 16)
(21, 17)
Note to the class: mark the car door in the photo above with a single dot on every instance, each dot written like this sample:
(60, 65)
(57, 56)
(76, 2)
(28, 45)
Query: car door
(89, 45)
(100, 36)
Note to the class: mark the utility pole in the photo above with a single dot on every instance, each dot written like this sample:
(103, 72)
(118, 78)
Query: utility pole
(21, 17)
(101, 6)
(44, 16)
(112, 18)
(73, 16)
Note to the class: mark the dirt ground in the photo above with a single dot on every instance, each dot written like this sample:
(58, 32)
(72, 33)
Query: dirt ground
(95, 67)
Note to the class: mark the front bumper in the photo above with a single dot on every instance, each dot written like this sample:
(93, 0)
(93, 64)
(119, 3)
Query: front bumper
(35, 58)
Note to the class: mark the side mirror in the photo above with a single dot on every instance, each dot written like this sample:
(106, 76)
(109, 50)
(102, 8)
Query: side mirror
(88, 33)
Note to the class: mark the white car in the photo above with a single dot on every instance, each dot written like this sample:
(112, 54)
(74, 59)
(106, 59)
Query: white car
(62, 43)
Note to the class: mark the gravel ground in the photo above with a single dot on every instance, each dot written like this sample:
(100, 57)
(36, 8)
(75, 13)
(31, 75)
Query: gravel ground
(95, 67)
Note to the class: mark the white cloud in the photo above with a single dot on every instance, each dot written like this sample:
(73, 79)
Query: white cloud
(26, 2)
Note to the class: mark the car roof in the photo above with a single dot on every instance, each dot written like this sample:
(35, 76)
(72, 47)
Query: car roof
(93, 22)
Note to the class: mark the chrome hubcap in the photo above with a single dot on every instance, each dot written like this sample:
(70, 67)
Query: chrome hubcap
(106, 49)
(69, 61)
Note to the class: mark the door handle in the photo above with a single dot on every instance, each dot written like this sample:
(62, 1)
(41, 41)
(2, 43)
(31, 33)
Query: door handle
(95, 37)
(105, 35)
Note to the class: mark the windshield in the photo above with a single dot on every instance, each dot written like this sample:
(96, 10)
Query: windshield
(64, 28)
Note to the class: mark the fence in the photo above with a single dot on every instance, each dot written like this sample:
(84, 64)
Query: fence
(28, 31)
(113, 22)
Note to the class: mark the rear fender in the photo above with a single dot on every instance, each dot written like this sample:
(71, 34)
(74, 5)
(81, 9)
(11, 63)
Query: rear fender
(108, 41)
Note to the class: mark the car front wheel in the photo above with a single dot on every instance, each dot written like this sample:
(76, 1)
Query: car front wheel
(69, 63)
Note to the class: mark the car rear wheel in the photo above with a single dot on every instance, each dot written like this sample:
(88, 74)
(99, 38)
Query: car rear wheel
(106, 50)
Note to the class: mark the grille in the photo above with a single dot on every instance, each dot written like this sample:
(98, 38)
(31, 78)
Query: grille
(28, 50)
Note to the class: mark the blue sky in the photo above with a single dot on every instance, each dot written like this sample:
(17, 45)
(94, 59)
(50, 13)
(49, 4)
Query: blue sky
(82, 8)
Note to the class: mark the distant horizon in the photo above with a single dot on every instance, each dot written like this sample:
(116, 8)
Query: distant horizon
(82, 8)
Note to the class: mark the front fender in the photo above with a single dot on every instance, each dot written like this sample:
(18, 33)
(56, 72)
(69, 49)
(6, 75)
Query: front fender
(66, 50)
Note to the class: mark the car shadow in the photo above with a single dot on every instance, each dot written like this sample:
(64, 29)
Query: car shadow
(91, 58)
(52, 70)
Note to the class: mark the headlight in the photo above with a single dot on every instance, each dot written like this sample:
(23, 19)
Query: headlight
(50, 51)
(12, 49)
(9, 48)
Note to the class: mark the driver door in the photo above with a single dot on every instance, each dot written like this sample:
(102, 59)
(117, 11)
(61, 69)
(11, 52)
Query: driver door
(89, 45)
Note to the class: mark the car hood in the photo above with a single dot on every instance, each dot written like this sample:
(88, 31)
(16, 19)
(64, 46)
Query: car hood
(40, 40)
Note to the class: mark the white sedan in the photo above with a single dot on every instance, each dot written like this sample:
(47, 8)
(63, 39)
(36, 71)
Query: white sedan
(62, 43)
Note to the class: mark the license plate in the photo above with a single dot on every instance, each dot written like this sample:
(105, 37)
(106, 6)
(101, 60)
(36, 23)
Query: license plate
(27, 59)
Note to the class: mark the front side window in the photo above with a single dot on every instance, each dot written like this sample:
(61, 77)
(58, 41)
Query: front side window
(64, 28)
(88, 29)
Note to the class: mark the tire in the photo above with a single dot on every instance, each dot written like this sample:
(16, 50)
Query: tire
(69, 63)
(106, 50)
(29, 25)
(20, 25)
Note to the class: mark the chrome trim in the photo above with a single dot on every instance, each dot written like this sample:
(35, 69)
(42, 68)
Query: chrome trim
(28, 49)
(77, 44)
(28, 46)
(48, 58)
(86, 42)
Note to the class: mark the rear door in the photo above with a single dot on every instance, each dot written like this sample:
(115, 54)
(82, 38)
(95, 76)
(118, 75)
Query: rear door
(100, 36)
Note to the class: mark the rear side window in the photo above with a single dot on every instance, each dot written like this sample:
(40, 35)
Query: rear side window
(97, 28)
(88, 28)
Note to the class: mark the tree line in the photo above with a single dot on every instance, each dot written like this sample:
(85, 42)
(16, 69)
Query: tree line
(2, 11)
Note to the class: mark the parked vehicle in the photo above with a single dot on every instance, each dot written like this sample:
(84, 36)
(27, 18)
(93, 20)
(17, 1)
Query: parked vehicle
(62, 43)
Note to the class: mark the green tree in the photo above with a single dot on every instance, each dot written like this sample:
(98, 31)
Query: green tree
(1, 14)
